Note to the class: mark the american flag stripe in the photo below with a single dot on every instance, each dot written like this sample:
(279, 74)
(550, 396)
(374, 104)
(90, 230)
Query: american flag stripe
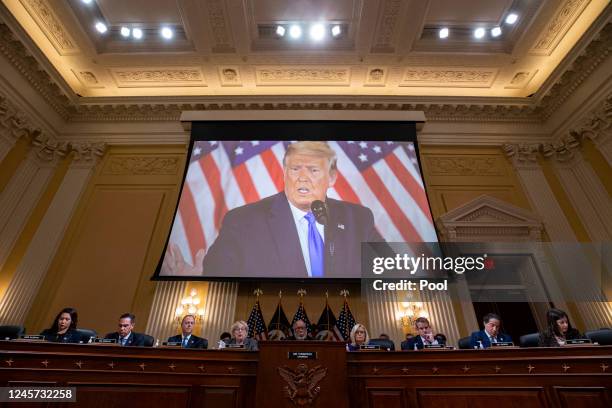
(205, 207)
(381, 218)
(211, 172)
(223, 175)
(405, 201)
(191, 223)
(247, 187)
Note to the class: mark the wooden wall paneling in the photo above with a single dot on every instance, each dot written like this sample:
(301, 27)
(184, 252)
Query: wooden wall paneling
(582, 397)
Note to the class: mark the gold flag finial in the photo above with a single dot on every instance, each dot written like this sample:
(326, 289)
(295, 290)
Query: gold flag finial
(280, 294)
(344, 293)
(258, 292)
(301, 293)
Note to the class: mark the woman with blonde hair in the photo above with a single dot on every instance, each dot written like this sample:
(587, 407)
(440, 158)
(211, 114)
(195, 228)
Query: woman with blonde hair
(240, 332)
(359, 337)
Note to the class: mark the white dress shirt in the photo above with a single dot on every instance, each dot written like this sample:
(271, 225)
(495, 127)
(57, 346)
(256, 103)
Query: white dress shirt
(301, 224)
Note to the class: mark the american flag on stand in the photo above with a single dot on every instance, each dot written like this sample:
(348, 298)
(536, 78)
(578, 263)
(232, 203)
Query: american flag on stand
(328, 325)
(257, 325)
(346, 321)
(300, 314)
(383, 176)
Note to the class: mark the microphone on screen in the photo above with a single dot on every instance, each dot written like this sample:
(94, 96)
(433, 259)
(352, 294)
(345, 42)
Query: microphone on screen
(319, 210)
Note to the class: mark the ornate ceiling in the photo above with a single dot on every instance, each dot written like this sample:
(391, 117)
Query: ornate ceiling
(222, 48)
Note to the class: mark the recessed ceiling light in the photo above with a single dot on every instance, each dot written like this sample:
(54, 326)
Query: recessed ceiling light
(295, 31)
(443, 33)
(511, 19)
(280, 31)
(125, 32)
(317, 31)
(86, 1)
(167, 33)
(336, 30)
(496, 31)
(479, 32)
(137, 33)
(101, 27)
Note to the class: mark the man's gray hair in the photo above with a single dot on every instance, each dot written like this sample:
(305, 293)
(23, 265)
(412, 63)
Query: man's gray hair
(312, 148)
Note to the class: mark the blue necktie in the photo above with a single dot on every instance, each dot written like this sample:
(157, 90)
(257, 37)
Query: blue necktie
(123, 341)
(185, 340)
(315, 247)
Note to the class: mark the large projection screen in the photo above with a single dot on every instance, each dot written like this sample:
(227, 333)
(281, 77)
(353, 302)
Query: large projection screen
(243, 208)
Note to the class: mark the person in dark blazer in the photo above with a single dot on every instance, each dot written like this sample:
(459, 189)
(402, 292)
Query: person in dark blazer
(63, 329)
(300, 331)
(359, 337)
(125, 336)
(274, 236)
(424, 336)
(559, 330)
(187, 338)
(239, 331)
(490, 334)
(404, 344)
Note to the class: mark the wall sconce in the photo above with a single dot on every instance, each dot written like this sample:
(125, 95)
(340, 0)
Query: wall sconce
(189, 306)
(411, 311)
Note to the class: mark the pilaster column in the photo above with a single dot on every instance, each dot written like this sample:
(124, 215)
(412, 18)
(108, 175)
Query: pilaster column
(587, 195)
(33, 266)
(219, 310)
(383, 307)
(19, 198)
(162, 323)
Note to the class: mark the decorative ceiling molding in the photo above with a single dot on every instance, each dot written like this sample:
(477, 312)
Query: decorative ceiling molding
(300, 75)
(42, 12)
(140, 77)
(436, 108)
(430, 76)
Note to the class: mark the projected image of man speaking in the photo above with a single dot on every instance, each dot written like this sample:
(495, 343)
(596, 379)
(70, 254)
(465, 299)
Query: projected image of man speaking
(299, 232)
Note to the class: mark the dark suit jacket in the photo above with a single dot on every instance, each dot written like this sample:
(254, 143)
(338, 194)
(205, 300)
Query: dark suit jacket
(135, 339)
(249, 343)
(293, 338)
(261, 239)
(482, 336)
(548, 339)
(70, 336)
(410, 343)
(194, 341)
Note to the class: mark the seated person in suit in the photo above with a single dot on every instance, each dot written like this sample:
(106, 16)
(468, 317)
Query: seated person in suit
(239, 331)
(63, 329)
(187, 338)
(125, 336)
(424, 335)
(559, 330)
(491, 333)
(404, 344)
(359, 337)
(300, 331)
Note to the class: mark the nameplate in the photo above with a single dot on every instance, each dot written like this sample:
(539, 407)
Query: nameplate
(577, 341)
(434, 346)
(235, 346)
(302, 355)
(503, 344)
(98, 340)
(370, 347)
(33, 337)
(172, 343)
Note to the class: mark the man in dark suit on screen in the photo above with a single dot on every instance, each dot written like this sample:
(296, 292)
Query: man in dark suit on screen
(187, 338)
(125, 336)
(286, 235)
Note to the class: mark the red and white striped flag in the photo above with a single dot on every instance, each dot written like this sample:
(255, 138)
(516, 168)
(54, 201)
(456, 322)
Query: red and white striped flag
(383, 176)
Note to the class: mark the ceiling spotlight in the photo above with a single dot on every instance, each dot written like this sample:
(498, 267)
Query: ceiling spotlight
(137, 33)
(443, 33)
(496, 31)
(511, 19)
(280, 31)
(125, 32)
(317, 31)
(479, 32)
(336, 30)
(295, 31)
(101, 27)
(166, 33)
(86, 1)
